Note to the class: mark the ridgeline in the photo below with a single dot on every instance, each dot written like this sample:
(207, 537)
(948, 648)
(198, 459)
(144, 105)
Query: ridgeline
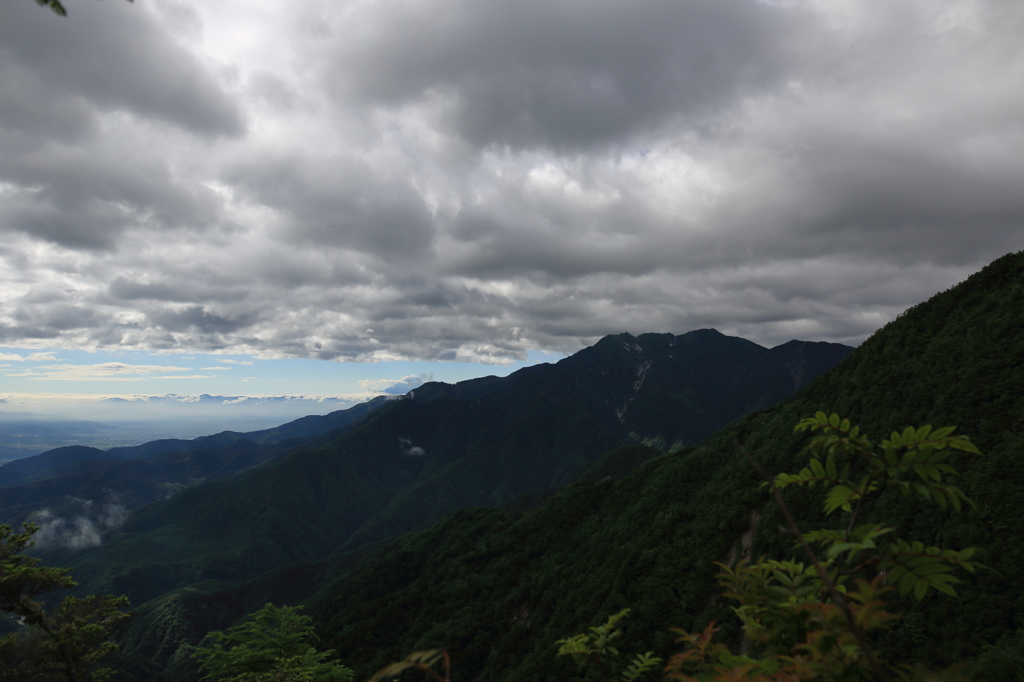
(537, 535)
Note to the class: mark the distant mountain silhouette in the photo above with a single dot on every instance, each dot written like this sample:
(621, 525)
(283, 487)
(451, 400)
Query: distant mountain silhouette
(60, 480)
(398, 464)
(497, 585)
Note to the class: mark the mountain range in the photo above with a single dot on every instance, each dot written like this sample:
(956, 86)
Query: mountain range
(497, 587)
(232, 506)
(494, 516)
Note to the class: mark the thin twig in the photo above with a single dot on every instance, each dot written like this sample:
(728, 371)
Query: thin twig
(856, 511)
(837, 596)
(862, 493)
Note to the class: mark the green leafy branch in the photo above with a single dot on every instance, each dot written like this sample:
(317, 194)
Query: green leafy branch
(811, 620)
(912, 566)
(923, 451)
(595, 646)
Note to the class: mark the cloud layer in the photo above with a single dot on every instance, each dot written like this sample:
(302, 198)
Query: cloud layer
(464, 180)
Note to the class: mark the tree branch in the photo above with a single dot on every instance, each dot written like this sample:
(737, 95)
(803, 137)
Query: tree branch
(836, 595)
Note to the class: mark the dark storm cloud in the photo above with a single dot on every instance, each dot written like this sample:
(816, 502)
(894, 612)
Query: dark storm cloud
(40, 110)
(86, 198)
(63, 317)
(78, 175)
(115, 58)
(197, 318)
(552, 247)
(47, 316)
(916, 198)
(129, 290)
(432, 293)
(566, 74)
(340, 202)
(20, 333)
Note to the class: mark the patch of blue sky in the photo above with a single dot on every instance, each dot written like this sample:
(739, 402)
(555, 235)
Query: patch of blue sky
(136, 372)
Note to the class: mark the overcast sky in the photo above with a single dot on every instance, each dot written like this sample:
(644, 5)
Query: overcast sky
(437, 180)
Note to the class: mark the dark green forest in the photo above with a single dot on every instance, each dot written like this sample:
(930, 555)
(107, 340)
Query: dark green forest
(538, 535)
(411, 461)
(498, 588)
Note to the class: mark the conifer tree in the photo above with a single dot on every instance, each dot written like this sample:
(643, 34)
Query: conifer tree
(63, 643)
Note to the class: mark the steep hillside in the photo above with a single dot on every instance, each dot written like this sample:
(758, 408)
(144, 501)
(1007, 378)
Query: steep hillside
(449, 453)
(49, 463)
(82, 488)
(444, 448)
(664, 388)
(317, 425)
(681, 389)
(418, 459)
(497, 588)
(80, 482)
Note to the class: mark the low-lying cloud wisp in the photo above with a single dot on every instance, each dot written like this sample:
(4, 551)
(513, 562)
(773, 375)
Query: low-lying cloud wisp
(82, 530)
(409, 449)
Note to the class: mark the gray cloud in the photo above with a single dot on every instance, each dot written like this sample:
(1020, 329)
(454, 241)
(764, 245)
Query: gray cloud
(471, 181)
(128, 290)
(272, 91)
(198, 318)
(339, 202)
(116, 58)
(85, 198)
(565, 75)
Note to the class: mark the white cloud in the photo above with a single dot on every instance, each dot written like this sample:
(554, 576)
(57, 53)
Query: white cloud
(394, 386)
(409, 449)
(82, 530)
(106, 371)
(31, 357)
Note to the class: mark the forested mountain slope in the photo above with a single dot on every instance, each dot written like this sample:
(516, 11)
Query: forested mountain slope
(77, 482)
(444, 448)
(41, 466)
(77, 488)
(496, 588)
